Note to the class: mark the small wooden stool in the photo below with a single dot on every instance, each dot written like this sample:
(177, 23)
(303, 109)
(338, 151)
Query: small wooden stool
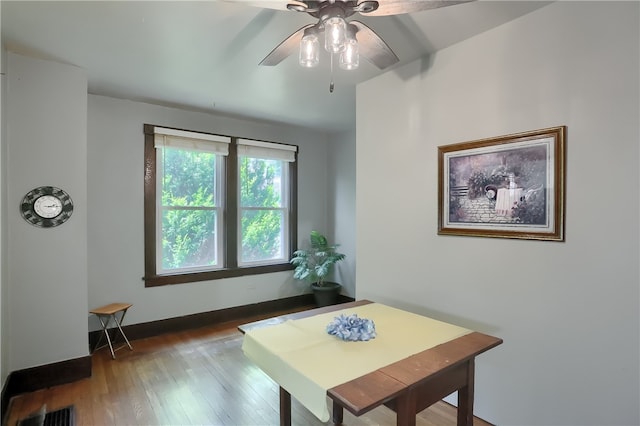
(105, 314)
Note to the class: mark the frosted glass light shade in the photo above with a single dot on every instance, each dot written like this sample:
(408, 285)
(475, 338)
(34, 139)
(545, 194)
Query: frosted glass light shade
(309, 51)
(335, 30)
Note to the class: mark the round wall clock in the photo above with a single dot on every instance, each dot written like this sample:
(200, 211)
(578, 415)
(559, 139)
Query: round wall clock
(46, 206)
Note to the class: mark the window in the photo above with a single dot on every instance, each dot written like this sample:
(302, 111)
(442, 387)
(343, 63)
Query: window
(264, 200)
(216, 206)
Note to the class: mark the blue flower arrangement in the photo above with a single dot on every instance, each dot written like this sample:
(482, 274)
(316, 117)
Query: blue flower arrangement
(352, 328)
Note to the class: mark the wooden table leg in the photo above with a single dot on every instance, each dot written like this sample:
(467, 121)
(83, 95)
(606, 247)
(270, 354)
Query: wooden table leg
(465, 397)
(337, 415)
(406, 408)
(285, 408)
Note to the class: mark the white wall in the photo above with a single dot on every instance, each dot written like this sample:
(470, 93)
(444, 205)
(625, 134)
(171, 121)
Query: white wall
(568, 312)
(115, 179)
(3, 215)
(342, 206)
(47, 268)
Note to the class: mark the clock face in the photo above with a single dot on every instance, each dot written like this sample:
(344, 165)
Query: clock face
(46, 206)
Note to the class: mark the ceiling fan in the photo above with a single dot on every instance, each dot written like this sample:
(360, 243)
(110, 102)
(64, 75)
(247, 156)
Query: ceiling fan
(348, 39)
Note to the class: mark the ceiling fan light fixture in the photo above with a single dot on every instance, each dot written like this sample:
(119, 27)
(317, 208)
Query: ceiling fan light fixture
(335, 34)
(309, 49)
(349, 57)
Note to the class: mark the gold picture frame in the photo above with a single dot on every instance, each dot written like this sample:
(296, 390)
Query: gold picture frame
(510, 186)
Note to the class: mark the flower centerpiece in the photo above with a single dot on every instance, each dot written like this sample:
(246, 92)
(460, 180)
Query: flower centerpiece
(352, 328)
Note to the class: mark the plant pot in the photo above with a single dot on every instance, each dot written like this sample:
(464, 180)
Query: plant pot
(327, 294)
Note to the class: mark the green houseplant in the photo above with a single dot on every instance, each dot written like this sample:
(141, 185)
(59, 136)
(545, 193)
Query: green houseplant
(314, 265)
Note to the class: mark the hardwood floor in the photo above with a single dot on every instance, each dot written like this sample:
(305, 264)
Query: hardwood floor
(197, 377)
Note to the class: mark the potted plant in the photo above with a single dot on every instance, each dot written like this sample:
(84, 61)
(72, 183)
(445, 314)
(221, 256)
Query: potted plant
(314, 265)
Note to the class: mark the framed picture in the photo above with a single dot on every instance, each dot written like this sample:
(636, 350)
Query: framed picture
(509, 186)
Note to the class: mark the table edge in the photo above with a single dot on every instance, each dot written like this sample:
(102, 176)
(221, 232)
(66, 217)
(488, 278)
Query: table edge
(448, 353)
(243, 328)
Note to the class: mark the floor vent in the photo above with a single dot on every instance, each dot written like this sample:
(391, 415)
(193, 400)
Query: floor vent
(62, 417)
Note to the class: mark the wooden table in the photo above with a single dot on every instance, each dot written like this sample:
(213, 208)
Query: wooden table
(407, 386)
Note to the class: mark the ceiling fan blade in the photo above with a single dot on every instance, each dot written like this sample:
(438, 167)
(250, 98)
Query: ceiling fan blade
(372, 47)
(398, 7)
(286, 48)
(268, 4)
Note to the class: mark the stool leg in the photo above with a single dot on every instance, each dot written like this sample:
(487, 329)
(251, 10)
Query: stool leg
(106, 333)
(115, 318)
(97, 345)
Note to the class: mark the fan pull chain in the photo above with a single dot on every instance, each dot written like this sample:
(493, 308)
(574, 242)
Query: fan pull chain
(331, 83)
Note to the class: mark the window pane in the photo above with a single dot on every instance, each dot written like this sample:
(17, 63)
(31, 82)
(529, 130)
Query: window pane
(188, 238)
(262, 235)
(260, 182)
(189, 178)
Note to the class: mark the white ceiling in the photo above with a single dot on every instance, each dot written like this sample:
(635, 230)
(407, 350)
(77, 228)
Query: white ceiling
(204, 55)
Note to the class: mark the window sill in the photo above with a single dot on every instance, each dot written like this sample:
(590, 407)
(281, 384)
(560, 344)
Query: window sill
(160, 280)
